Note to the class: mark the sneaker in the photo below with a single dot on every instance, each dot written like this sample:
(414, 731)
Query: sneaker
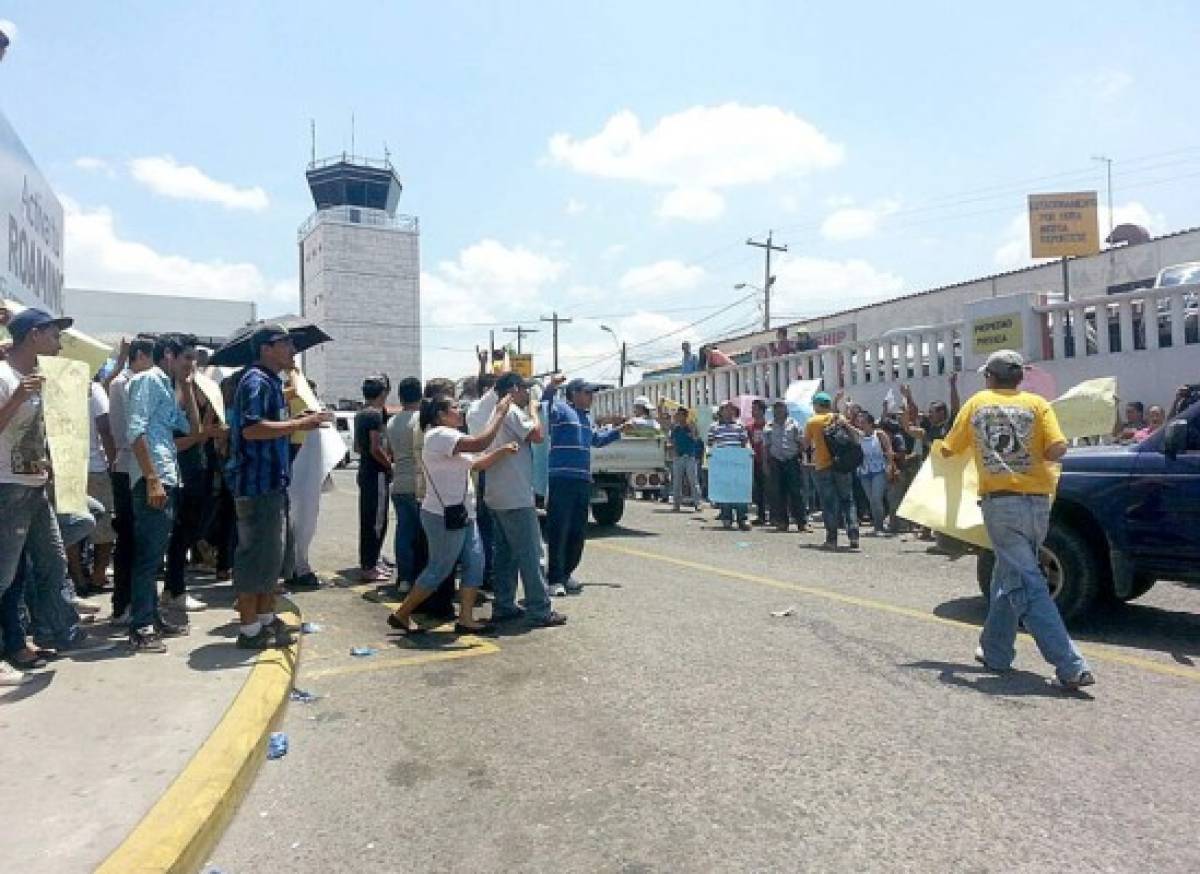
(119, 620)
(853, 543)
(979, 657)
(263, 640)
(374, 575)
(743, 526)
(553, 620)
(1085, 678)
(171, 629)
(305, 581)
(282, 632)
(146, 641)
(81, 641)
(558, 591)
(574, 587)
(10, 676)
(184, 603)
(82, 607)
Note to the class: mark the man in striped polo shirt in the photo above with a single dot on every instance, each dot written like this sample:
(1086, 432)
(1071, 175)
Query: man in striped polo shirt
(728, 431)
(572, 437)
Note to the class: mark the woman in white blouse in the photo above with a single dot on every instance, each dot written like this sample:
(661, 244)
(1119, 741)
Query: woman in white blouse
(448, 511)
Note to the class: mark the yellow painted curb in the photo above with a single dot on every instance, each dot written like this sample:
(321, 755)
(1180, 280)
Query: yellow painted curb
(177, 835)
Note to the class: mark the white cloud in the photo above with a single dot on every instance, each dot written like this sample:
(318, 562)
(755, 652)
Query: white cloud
(97, 257)
(1013, 251)
(485, 282)
(691, 204)
(575, 207)
(856, 222)
(662, 277)
(813, 286)
(90, 164)
(9, 29)
(166, 176)
(708, 147)
(612, 251)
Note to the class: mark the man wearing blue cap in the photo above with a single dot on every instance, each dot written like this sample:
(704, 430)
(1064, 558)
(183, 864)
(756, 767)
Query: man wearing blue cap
(28, 525)
(572, 437)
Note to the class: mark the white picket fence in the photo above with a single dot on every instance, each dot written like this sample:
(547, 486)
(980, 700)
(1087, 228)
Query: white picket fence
(1075, 340)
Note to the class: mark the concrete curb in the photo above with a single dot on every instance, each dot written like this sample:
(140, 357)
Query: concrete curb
(180, 831)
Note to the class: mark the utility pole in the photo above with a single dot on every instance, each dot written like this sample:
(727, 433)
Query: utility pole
(556, 320)
(491, 351)
(768, 279)
(1108, 162)
(520, 331)
(621, 378)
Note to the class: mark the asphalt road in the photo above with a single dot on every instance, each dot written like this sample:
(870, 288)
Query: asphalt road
(676, 725)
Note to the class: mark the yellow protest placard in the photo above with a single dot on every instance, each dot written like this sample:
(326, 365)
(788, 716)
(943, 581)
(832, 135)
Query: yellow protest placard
(1089, 409)
(65, 407)
(304, 391)
(944, 496)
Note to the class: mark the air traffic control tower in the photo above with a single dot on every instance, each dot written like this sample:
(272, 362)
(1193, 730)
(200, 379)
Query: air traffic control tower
(360, 277)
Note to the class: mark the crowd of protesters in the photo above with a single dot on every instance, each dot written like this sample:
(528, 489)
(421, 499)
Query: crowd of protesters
(175, 481)
(170, 484)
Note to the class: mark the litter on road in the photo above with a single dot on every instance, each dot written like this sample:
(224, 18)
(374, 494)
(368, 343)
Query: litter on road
(362, 651)
(787, 611)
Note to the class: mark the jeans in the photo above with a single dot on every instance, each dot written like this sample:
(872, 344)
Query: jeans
(875, 485)
(123, 551)
(372, 516)
(837, 503)
(31, 544)
(566, 527)
(760, 491)
(483, 518)
(12, 626)
(446, 549)
(408, 536)
(785, 484)
(519, 546)
(152, 533)
(685, 469)
(187, 529)
(1017, 525)
(728, 511)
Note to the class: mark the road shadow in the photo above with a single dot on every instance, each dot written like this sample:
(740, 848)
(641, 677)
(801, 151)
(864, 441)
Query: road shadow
(220, 657)
(40, 683)
(1010, 684)
(1137, 626)
(609, 532)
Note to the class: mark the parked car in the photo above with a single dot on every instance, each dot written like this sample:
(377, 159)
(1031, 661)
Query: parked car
(1124, 517)
(344, 422)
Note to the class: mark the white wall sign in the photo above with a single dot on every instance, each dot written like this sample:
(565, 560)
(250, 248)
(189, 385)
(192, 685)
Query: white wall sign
(31, 268)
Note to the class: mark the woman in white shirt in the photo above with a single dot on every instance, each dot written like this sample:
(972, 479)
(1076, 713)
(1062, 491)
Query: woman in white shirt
(448, 511)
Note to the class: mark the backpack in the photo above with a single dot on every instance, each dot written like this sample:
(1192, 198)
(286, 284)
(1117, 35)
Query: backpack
(843, 448)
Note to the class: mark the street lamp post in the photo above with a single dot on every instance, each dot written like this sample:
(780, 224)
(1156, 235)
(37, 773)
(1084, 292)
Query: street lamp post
(620, 351)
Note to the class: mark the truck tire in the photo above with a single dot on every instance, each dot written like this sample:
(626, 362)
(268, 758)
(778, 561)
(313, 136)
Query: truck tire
(611, 511)
(1142, 583)
(1071, 569)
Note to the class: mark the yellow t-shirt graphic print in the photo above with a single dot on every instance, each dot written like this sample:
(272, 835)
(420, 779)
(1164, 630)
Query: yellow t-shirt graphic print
(1009, 431)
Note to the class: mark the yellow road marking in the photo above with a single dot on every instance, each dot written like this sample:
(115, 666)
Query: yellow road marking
(1097, 652)
(383, 664)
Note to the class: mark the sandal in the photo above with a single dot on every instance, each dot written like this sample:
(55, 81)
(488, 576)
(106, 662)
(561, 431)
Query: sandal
(27, 660)
(409, 628)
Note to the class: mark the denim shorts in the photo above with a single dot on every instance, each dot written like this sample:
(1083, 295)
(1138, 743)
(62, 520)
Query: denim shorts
(262, 535)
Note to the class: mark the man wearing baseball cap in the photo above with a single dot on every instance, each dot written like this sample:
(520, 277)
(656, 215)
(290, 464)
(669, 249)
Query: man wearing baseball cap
(1016, 440)
(572, 438)
(27, 521)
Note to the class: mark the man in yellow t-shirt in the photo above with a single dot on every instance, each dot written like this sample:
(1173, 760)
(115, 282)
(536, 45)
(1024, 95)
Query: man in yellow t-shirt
(835, 488)
(1016, 440)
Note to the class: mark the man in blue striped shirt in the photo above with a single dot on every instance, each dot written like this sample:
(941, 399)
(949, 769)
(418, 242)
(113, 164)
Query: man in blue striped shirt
(726, 432)
(258, 473)
(572, 437)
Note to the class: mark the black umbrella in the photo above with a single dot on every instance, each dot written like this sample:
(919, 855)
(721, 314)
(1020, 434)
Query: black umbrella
(238, 350)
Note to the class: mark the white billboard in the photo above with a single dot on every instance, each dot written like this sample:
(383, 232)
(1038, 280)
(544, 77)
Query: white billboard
(31, 269)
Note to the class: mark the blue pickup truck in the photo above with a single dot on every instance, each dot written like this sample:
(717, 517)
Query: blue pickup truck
(1124, 518)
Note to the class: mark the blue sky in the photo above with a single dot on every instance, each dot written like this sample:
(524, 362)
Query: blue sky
(607, 160)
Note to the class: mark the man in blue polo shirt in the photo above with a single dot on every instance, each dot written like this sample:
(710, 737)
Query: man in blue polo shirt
(571, 440)
(258, 473)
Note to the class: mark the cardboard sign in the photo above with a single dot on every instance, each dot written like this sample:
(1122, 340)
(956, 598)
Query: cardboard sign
(1089, 409)
(944, 496)
(730, 475)
(65, 406)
